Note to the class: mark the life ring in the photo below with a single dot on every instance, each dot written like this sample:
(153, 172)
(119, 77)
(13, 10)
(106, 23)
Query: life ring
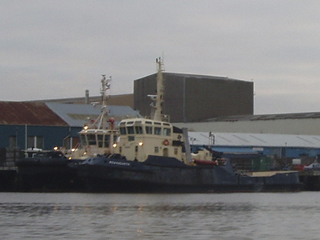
(166, 142)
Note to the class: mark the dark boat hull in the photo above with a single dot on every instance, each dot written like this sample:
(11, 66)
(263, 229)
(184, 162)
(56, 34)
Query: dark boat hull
(168, 175)
(8, 180)
(48, 175)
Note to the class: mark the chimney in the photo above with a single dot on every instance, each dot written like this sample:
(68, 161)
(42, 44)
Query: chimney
(87, 97)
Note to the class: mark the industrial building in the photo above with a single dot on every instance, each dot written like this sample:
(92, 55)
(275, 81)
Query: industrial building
(291, 123)
(275, 145)
(220, 106)
(46, 125)
(192, 98)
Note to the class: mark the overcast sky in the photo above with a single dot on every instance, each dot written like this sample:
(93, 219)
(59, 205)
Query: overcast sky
(58, 49)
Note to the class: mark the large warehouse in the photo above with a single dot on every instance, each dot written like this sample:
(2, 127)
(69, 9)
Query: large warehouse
(191, 98)
(290, 123)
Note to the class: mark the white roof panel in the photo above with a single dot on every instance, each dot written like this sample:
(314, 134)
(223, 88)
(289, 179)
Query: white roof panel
(76, 114)
(255, 140)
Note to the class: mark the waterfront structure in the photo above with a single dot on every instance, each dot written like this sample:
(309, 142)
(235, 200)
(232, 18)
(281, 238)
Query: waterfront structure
(187, 97)
(273, 145)
(46, 125)
(289, 123)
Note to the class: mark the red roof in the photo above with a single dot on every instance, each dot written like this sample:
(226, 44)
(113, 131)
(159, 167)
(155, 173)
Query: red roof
(31, 113)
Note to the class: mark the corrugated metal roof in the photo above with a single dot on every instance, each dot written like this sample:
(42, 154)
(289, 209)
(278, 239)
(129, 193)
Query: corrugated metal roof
(190, 75)
(21, 113)
(255, 140)
(265, 117)
(76, 114)
(113, 100)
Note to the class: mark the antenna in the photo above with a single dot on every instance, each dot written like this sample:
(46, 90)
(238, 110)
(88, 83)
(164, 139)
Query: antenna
(102, 119)
(160, 91)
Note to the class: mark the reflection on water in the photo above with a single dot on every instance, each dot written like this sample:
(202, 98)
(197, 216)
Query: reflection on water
(159, 216)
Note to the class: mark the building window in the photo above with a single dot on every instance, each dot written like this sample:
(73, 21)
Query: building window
(35, 142)
(71, 142)
(13, 141)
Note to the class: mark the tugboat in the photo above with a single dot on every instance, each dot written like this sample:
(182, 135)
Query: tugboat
(98, 136)
(55, 170)
(154, 156)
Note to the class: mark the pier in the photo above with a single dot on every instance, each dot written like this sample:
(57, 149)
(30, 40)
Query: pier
(310, 179)
(8, 170)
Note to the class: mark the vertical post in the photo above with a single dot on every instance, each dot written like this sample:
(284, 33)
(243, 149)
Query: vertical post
(184, 119)
(87, 99)
(160, 89)
(187, 144)
(25, 136)
(16, 137)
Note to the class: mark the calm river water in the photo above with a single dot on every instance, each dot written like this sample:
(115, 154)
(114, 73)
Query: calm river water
(160, 216)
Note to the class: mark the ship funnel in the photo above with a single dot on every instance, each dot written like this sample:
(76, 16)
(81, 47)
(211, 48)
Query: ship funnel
(87, 97)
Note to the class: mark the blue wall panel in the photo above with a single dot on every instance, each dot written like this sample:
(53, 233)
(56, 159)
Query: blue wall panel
(52, 135)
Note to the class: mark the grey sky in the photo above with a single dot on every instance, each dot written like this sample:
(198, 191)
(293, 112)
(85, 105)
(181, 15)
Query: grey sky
(58, 48)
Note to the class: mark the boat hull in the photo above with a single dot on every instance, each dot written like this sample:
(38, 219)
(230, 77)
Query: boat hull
(168, 175)
(48, 175)
(8, 180)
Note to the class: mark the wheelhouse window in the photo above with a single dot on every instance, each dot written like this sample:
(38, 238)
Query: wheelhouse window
(83, 140)
(148, 129)
(100, 141)
(157, 130)
(166, 131)
(138, 129)
(130, 130)
(123, 131)
(92, 139)
(106, 140)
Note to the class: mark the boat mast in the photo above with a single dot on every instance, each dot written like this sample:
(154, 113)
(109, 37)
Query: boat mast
(160, 90)
(102, 119)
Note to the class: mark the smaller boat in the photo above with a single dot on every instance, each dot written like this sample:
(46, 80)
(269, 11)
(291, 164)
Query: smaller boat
(99, 135)
(56, 170)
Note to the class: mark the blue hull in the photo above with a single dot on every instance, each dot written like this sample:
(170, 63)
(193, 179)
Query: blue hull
(163, 174)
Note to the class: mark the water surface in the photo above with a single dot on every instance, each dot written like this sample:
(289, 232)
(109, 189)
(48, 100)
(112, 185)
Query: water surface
(159, 216)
